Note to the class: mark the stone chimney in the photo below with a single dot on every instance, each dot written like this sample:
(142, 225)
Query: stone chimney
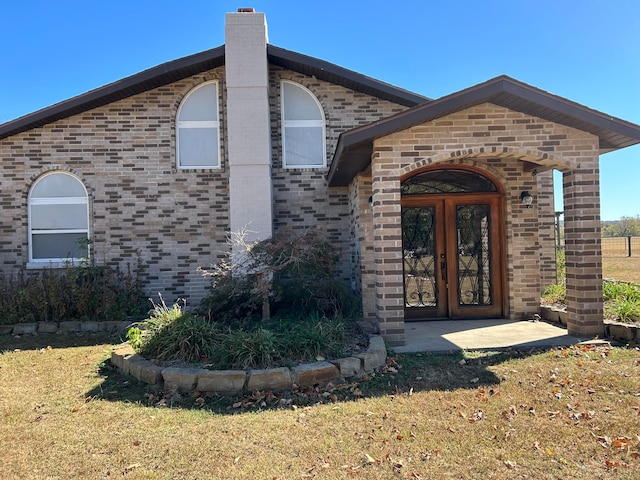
(248, 124)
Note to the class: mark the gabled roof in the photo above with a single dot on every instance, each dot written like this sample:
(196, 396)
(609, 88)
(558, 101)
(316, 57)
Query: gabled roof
(200, 62)
(354, 149)
(341, 76)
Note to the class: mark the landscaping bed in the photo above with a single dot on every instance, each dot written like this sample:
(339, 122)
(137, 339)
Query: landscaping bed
(234, 382)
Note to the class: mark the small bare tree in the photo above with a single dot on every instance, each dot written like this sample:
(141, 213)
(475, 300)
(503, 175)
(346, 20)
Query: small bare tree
(262, 259)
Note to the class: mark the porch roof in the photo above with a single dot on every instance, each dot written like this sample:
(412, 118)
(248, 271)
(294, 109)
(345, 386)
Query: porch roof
(354, 149)
(182, 68)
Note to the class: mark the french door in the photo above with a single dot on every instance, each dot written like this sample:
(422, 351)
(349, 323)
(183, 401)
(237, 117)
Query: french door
(453, 256)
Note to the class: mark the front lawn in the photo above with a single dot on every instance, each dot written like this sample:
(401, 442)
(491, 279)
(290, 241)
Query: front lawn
(562, 413)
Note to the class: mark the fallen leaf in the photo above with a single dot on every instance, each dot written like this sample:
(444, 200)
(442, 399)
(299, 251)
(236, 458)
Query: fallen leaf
(510, 464)
(622, 443)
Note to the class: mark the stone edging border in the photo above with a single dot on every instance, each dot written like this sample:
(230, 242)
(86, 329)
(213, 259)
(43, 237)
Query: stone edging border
(233, 382)
(614, 330)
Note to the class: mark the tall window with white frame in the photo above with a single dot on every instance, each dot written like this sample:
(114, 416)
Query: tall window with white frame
(303, 128)
(198, 129)
(58, 210)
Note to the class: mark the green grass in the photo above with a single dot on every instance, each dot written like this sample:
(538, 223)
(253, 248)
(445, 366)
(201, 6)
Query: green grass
(621, 299)
(171, 334)
(562, 413)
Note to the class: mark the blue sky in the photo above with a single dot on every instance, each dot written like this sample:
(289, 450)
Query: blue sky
(587, 51)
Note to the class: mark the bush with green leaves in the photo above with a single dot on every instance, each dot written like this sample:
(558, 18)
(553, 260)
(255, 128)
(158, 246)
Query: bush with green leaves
(240, 349)
(290, 273)
(83, 291)
(622, 301)
(170, 333)
(315, 337)
(232, 300)
(555, 293)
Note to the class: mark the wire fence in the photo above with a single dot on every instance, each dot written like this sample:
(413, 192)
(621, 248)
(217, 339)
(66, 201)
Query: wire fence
(621, 246)
(615, 247)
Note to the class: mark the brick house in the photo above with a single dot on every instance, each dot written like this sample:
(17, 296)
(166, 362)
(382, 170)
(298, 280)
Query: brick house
(440, 208)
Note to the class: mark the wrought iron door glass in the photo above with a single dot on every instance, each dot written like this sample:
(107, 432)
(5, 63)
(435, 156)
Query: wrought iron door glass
(474, 255)
(418, 243)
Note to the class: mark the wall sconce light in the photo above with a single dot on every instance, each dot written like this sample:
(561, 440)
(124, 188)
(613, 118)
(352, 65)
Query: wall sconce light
(526, 199)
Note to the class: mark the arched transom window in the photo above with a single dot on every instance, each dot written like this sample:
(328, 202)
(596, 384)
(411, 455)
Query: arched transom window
(58, 219)
(303, 128)
(198, 129)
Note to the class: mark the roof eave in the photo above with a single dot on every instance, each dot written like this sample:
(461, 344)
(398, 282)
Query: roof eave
(613, 133)
(193, 64)
(146, 80)
(336, 74)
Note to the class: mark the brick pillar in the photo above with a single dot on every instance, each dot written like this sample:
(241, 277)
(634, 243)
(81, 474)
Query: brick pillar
(583, 249)
(387, 247)
(365, 243)
(546, 230)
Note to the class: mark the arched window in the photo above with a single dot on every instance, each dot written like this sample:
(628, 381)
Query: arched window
(303, 128)
(58, 219)
(197, 129)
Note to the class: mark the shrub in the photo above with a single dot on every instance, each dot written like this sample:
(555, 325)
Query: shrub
(319, 336)
(305, 293)
(555, 293)
(613, 290)
(172, 334)
(83, 291)
(232, 300)
(289, 273)
(622, 301)
(561, 268)
(624, 311)
(240, 349)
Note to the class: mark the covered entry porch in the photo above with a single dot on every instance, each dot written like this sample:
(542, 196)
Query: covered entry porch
(515, 135)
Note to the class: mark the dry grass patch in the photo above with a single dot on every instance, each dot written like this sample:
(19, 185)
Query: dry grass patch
(564, 413)
(625, 269)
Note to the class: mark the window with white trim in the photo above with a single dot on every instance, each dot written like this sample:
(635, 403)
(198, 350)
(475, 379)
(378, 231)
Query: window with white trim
(58, 209)
(198, 129)
(303, 128)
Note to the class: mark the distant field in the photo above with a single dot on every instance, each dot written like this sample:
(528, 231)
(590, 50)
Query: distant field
(623, 269)
(616, 263)
(619, 247)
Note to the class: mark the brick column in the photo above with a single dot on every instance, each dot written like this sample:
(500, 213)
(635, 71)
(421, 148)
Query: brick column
(387, 247)
(546, 230)
(583, 248)
(365, 244)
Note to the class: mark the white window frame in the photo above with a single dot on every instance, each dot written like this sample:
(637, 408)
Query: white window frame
(302, 123)
(55, 261)
(192, 124)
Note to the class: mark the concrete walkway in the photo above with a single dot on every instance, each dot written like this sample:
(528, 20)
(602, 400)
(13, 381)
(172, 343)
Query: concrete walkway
(445, 336)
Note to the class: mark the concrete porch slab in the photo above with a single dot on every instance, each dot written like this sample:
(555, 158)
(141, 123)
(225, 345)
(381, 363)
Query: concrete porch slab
(448, 335)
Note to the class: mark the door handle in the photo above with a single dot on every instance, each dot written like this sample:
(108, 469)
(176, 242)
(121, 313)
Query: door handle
(443, 271)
